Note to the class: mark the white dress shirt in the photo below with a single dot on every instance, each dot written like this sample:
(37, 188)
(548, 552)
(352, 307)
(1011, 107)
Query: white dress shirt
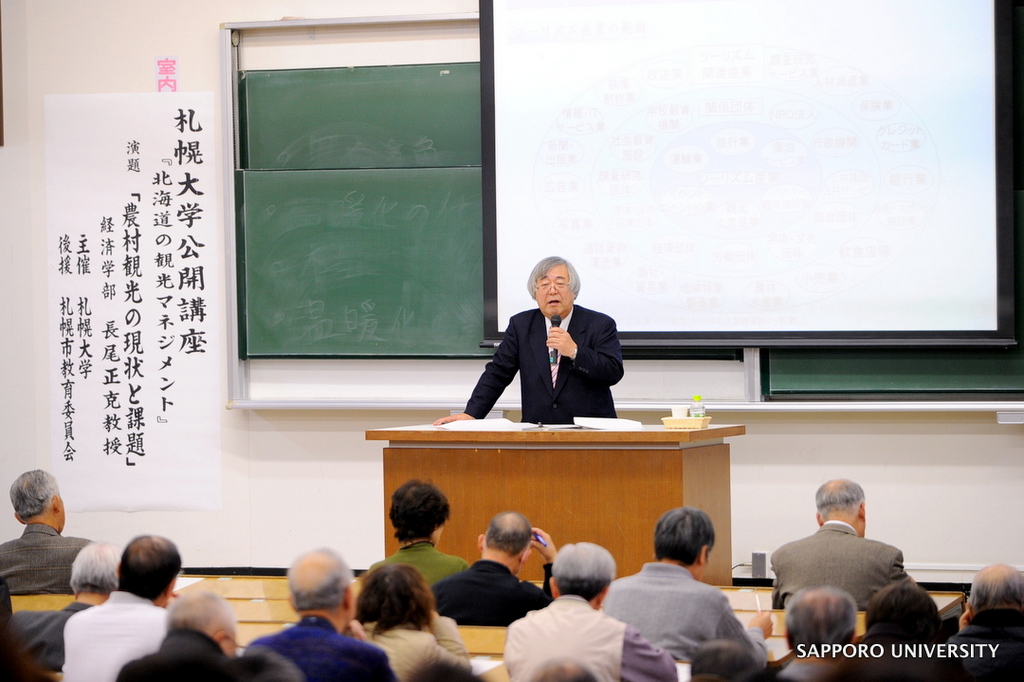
(99, 641)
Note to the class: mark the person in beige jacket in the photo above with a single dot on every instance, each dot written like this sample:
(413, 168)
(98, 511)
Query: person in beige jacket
(396, 608)
(574, 627)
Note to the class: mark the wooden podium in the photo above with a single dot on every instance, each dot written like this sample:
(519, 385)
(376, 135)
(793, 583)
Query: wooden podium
(607, 487)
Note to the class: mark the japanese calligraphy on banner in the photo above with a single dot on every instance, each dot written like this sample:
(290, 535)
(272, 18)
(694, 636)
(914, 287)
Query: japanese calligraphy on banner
(134, 304)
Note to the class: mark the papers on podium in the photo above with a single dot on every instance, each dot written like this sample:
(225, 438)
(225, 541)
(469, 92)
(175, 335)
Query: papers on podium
(608, 424)
(486, 425)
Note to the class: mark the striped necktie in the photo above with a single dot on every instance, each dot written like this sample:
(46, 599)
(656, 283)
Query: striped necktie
(554, 369)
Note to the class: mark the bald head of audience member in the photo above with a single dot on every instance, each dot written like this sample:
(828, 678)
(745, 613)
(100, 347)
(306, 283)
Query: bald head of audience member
(564, 670)
(36, 499)
(149, 567)
(94, 573)
(820, 615)
(997, 587)
(207, 613)
(841, 500)
(507, 541)
(320, 583)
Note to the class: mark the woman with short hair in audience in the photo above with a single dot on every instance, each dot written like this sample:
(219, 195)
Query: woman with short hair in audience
(418, 512)
(396, 608)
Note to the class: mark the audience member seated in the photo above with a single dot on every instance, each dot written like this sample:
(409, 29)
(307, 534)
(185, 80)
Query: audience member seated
(39, 562)
(199, 646)
(838, 554)
(93, 578)
(396, 608)
(418, 512)
(666, 600)
(722, 660)
(816, 616)
(994, 616)
(573, 625)
(16, 665)
(900, 616)
(490, 592)
(132, 623)
(901, 612)
(320, 587)
(564, 670)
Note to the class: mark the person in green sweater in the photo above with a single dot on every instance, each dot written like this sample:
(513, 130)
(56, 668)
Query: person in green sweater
(418, 513)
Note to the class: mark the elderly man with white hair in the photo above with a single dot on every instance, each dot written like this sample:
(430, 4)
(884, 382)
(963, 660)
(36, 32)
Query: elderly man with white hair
(39, 562)
(200, 643)
(817, 619)
(573, 626)
(567, 357)
(93, 578)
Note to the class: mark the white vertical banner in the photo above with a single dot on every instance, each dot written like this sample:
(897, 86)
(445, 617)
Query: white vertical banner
(134, 305)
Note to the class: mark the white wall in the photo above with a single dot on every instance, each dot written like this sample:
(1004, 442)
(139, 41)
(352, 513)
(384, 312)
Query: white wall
(946, 487)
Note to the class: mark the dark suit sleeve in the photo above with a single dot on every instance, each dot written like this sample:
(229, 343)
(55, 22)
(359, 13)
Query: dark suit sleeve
(599, 354)
(498, 374)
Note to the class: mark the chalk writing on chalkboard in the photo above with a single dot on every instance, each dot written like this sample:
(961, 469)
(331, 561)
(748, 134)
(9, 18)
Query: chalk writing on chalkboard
(385, 262)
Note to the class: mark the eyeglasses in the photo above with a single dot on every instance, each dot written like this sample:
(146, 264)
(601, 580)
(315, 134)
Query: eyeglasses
(557, 285)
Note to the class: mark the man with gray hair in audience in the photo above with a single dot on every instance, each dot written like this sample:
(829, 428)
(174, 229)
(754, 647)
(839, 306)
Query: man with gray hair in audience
(573, 625)
(490, 592)
(817, 616)
(994, 616)
(320, 585)
(667, 602)
(93, 578)
(39, 562)
(838, 554)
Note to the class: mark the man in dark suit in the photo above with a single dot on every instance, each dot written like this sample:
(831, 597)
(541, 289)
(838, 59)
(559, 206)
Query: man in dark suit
(838, 554)
(39, 562)
(584, 346)
(992, 625)
(489, 592)
(93, 578)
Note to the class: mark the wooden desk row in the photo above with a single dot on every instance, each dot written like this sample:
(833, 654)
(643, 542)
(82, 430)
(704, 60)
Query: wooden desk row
(262, 607)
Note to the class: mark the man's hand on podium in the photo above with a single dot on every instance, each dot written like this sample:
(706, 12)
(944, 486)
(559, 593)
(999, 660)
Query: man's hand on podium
(453, 418)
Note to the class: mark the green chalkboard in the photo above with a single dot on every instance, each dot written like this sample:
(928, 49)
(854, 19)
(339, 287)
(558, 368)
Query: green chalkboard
(918, 373)
(361, 263)
(410, 116)
(358, 201)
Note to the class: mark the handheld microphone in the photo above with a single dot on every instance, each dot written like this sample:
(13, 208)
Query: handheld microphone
(556, 321)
